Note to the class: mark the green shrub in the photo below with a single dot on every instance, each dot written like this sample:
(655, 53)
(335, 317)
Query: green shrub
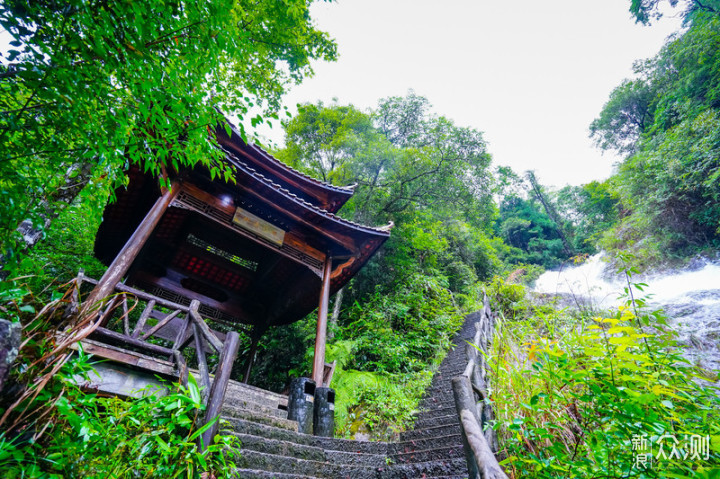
(87, 436)
(576, 398)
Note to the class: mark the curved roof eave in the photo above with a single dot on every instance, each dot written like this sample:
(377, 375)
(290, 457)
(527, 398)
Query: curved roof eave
(325, 195)
(311, 213)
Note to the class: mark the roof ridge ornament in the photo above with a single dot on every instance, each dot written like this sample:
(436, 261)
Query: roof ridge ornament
(387, 227)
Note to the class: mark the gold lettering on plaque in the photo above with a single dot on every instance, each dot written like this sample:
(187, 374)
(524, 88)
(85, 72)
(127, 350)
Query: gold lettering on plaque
(259, 226)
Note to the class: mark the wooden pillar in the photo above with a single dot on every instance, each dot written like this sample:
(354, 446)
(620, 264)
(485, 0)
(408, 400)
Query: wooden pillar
(251, 356)
(219, 387)
(124, 259)
(321, 331)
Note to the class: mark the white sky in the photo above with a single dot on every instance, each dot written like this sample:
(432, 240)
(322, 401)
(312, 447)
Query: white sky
(530, 74)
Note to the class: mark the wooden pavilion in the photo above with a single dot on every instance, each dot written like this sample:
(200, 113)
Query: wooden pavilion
(264, 249)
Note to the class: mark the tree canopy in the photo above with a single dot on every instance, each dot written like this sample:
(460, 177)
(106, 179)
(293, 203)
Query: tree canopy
(645, 11)
(90, 87)
(667, 122)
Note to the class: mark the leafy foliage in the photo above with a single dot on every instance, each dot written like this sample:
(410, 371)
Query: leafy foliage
(668, 120)
(67, 248)
(645, 11)
(572, 398)
(430, 178)
(52, 429)
(97, 437)
(91, 87)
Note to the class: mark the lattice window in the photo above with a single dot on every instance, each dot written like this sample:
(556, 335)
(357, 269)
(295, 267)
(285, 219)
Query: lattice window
(209, 271)
(233, 258)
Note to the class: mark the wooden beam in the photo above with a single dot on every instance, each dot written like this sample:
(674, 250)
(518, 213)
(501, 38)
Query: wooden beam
(251, 356)
(127, 340)
(132, 358)
(202, 362)
(143, 318)
(147, 296)
(124, 259)
(183, 370)
(200, 322)
(159, 325)
(321, 331)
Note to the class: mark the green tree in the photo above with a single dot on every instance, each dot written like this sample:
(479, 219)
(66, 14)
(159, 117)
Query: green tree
(90, 87)
(627, 114)
(645, 11)
(431, 178)
(400, 156)
(526, 227)
(588, 211)
(321, 140)
(666, 188)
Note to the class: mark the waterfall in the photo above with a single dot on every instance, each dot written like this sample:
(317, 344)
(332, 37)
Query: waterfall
(690, 297)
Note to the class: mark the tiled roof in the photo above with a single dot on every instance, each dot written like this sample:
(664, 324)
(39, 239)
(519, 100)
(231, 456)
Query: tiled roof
(245, 168)
(271, 159)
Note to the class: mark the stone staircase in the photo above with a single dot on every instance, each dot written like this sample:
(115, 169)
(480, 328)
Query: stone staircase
(434, 448)
(272, 447)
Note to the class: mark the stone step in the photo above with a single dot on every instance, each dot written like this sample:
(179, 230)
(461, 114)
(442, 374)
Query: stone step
(248, 427)
(313, 453)
(446, 407)
(254, 407)
(446, 398)
(424, 444)
(457, 360)
(426, 455)
(435, 413)
(268, 431)
(450, 467)
(347, 445)
(430, 432)
(448, 374)
(278, 447)
(243, 473)
(237, 390)
(248, 459)
(439, 385)
(436, 421)
(440, 400)
(230, 414)
(454, 363)
(443, 382)
(357, 459)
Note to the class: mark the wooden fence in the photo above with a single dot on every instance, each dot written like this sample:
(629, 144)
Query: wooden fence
(175, 324)
(473, 405)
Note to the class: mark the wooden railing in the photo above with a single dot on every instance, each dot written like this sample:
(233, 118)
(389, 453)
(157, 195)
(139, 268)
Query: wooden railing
(179, 326)
(473, 406)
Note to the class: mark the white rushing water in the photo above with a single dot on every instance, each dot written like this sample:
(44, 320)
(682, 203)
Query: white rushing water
(690, 298)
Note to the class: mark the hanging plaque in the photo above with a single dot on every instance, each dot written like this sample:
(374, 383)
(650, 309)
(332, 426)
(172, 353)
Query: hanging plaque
(259, 226)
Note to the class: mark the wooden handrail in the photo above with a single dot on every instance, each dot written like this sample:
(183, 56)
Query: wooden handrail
(474, 413)
(194, 329)
(204, 328)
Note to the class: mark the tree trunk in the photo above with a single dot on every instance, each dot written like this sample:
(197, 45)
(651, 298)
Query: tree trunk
(49, 207)
(552, 214)
(336, 313)
(9, 347)
(53, 204)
